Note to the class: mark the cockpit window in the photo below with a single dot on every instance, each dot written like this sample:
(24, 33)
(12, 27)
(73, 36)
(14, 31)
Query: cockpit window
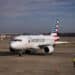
(16, 40)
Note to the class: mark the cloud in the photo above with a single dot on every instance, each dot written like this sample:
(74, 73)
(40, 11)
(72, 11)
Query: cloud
(26, 7)
(14, 8)
(34, 12)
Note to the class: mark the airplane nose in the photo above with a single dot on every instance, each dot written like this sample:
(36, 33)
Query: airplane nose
(13, 45)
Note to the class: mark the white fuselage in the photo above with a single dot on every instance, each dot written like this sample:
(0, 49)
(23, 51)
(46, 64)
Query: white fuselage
(31, 41)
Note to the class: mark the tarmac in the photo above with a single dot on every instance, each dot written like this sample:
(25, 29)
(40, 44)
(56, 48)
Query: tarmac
(59, 63)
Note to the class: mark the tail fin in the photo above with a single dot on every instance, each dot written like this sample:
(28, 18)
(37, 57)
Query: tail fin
(55, 35)
(57, 26)
(56, 31)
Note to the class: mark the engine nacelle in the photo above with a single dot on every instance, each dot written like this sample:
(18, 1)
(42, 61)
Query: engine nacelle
(48, 50)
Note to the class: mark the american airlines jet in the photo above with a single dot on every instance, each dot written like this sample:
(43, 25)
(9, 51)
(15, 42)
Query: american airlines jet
(42, 42)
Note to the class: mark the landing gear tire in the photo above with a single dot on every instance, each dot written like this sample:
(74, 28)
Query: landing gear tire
(33, 51)
(20, 53)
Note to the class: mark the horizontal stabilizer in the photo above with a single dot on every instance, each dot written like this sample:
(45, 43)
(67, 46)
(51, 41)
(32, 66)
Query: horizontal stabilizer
(61, 42)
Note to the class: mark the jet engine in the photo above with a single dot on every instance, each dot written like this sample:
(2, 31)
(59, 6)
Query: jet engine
(48, 50)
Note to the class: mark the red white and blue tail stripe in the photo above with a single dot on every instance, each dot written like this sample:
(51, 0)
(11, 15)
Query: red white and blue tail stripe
(55, 34)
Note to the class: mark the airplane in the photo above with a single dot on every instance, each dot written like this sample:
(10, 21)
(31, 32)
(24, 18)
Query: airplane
(46, 43)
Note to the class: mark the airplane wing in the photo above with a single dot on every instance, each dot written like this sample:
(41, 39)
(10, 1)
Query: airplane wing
(41, 46)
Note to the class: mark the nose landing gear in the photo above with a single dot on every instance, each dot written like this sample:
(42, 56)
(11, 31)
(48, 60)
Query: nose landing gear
(20, 53)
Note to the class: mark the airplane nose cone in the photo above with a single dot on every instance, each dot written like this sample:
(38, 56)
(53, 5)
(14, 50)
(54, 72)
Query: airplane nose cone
(13, 45)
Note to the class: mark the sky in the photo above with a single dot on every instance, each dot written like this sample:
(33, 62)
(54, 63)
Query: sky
(36, 16)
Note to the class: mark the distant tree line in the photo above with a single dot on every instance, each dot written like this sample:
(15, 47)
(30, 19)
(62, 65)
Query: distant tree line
(67, 34)
(63, 34)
